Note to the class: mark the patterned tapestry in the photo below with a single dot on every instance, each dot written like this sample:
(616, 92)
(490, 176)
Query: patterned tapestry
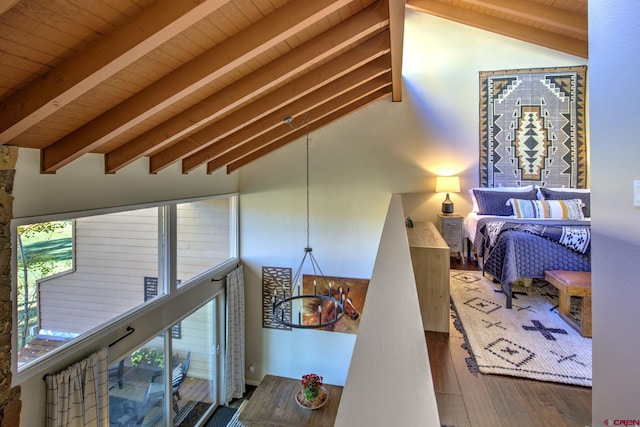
(532, 127)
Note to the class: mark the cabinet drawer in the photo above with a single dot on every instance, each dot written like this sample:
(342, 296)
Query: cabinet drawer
(451, 230)
(454, 233)
(455, 246)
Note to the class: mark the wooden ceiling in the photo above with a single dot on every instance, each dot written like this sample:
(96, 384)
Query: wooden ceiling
(556, 24)
(210, 83)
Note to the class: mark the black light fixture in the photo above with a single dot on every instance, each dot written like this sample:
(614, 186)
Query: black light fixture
(447, 184)
(328, 302)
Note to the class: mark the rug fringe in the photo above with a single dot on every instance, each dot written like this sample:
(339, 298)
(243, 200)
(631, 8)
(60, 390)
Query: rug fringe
(457, 323)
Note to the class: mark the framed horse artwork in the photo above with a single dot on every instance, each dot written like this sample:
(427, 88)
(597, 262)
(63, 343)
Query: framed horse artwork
(354, 291)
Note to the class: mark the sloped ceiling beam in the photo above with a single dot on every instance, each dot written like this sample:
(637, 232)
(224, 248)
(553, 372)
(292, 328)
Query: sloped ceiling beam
(341, 111)
(344, 34)
(257, 38)
(319, 95)
(507, 28)
(278, 132)
(396, 31)
(570, 21)
(316, 94)
(269, 103)
(155, 25)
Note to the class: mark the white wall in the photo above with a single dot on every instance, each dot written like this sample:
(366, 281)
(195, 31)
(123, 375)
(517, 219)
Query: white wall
(614, 54)
(356, 164)
(83, 185)
(384, 359)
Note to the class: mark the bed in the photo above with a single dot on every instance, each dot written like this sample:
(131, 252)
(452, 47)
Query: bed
(511, 244)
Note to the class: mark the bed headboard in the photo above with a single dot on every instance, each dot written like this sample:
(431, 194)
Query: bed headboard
(532, 128)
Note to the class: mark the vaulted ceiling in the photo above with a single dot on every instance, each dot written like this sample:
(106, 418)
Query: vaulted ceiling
(211, 83)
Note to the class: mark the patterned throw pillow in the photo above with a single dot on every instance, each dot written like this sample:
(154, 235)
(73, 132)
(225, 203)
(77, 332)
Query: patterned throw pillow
(557, 209)
(584, 195)
(474, 202)
(495, 202)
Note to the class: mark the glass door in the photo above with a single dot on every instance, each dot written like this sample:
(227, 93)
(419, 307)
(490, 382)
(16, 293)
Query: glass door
(137, 387)
(139, 383)
(195, 379)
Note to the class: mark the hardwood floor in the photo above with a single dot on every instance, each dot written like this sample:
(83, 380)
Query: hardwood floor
(468, 400)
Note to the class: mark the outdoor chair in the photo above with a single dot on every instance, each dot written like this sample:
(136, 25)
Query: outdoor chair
(117, 372)
(155, 390)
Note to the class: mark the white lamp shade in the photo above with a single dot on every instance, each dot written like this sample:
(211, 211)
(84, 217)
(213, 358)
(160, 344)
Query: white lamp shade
(447, 184)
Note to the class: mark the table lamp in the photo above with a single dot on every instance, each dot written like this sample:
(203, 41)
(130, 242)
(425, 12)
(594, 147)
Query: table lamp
(447, 184)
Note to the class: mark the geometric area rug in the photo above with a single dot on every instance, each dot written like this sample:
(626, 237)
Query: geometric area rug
(530, 340)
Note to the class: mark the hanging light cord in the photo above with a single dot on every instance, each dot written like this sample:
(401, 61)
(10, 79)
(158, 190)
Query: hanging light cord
(281, 305)
(306, 123)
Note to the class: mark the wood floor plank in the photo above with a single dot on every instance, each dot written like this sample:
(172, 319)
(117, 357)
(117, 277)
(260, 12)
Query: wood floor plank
(575, 403)
(557, 404)
(509, 403)
(452, 410)
(444, 377)
(480, 407)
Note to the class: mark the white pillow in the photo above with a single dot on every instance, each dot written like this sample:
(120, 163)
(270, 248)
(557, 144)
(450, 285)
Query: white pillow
(476, 209)
(557, 209)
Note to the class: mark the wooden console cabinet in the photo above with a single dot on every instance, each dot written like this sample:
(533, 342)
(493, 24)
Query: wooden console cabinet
(430, 256)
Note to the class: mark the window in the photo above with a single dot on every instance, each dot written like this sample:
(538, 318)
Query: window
(112, 264)
(44, 250)
(137, 383)
(203, 236)
(136, 386)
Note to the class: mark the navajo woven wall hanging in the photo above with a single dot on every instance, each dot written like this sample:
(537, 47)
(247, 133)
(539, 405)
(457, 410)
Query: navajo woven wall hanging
(532, 127)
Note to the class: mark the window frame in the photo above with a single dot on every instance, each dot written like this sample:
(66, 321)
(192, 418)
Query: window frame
(150, 318)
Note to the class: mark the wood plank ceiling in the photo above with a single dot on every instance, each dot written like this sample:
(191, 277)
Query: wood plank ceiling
(208, 83)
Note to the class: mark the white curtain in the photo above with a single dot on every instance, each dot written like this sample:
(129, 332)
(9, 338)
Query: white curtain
(234, 358)
(79, 395)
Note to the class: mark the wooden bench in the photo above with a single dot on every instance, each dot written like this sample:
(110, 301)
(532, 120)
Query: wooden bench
(573, 284)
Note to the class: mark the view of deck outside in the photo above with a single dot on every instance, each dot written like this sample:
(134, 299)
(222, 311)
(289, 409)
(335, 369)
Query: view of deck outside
(137, 383)
(79, 274)
(44, 250)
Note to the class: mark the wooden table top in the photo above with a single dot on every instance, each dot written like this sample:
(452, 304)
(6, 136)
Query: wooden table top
(273, 404)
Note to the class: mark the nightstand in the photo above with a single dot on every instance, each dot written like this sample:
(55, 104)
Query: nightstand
(450, 226)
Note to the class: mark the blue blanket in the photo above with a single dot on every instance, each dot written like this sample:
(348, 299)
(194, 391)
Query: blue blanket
(574, 237)
(527, 249)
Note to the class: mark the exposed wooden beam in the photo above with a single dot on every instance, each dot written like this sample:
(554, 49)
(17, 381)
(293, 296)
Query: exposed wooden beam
(544, 14)
(257, 109)
(7, 4)
(507, 28)
(257, 38)
(342, 35)
(319, 96)
(314, 83)
(155, 25)
(240, 119)
(325, 120)
(396, 33)
(314, 113)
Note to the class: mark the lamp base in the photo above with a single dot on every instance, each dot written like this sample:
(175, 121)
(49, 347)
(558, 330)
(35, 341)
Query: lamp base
(447, 206)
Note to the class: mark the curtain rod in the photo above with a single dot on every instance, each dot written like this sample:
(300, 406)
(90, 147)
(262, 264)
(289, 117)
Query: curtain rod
(130, 330)
(214, 279)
